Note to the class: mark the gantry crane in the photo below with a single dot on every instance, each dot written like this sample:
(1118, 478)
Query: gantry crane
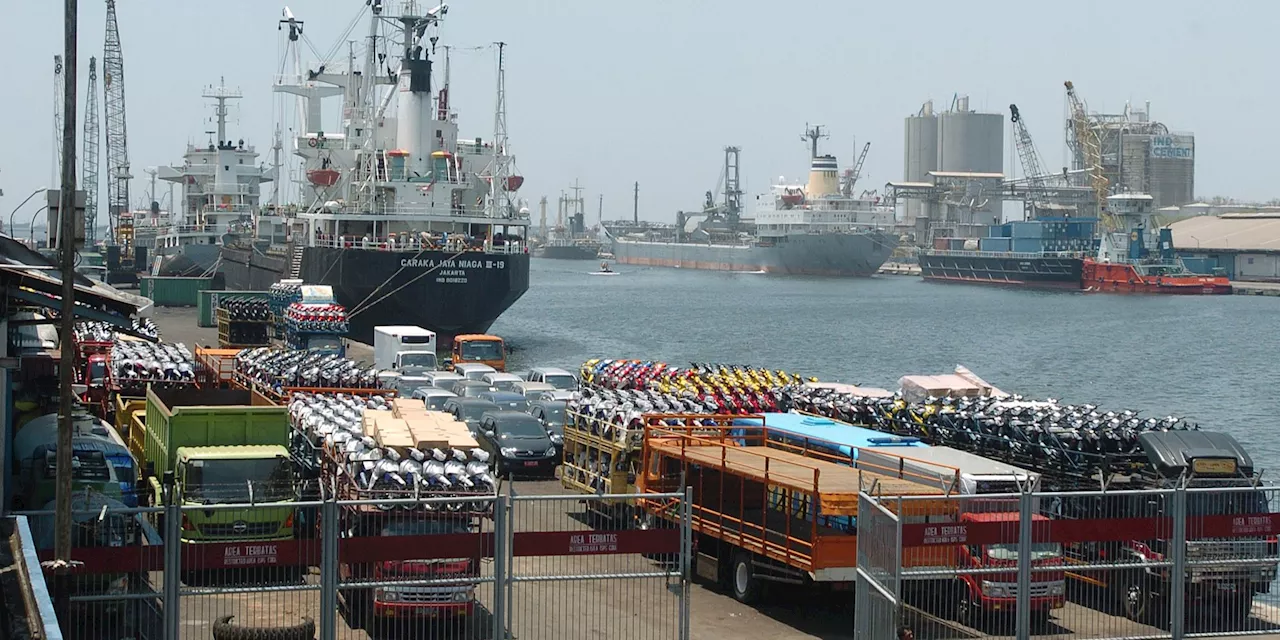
(89, 154)
(1032, 170)
(1086, 139)
(117, 137)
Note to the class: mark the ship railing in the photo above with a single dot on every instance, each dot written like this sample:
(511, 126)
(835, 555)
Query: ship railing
(412, 245)
(223, 209)
(224, 188)
(1010, 254)
(438, 213)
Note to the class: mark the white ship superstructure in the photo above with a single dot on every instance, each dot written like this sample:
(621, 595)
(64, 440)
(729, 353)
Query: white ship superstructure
(221, 187)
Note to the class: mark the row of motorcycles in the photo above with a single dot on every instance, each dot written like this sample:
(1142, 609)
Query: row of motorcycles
(331, 425)
(277, 368)
(137, 363)
(246, 309)
(316, 318)
(95, 331)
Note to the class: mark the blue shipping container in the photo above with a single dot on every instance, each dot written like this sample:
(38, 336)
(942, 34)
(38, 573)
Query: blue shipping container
(1027, 229)
(995, 244)
(1027, 245)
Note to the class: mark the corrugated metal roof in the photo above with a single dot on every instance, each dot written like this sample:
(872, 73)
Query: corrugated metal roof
(1237, 232)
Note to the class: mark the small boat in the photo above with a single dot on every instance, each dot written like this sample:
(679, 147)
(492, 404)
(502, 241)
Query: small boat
(605, 270)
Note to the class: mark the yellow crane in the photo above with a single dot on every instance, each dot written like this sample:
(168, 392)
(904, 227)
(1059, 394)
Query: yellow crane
(1090, 146)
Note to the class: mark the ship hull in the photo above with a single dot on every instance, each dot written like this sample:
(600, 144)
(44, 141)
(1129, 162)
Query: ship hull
(836, 254)
(436, 290)
(189, 260)
(568, 253)
(971, 267)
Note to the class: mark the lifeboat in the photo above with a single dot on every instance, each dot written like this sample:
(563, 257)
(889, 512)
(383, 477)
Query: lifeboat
(792, 197)
(1124, 277)
(323, 177)
(514, 183)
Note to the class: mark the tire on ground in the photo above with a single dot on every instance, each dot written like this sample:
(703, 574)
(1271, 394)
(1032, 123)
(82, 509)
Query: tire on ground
(224, 630)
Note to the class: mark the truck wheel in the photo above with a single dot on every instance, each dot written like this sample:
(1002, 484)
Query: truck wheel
(224, 630)
(1040, 621)
(746, 587)
(966, 610)
(1134, 596)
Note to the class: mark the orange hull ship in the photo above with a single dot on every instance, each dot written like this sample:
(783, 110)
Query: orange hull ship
(1130, 278)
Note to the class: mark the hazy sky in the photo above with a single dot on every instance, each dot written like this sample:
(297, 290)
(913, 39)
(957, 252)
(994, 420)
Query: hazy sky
(612, 92)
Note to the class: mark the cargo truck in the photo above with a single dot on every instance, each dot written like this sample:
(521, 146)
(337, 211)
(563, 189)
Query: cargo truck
(481, 348)
(217, 449)
(407, 349)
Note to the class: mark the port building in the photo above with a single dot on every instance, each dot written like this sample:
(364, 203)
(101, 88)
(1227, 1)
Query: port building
(956, 142)
(1241, 246)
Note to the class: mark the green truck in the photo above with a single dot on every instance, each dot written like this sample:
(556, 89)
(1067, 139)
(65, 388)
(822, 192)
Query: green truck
(219, 450)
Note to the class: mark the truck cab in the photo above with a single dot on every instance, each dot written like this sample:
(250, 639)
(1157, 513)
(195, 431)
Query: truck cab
(982, 595)
(325, 343)
(246, 474)
(481, 348)
(407, 349)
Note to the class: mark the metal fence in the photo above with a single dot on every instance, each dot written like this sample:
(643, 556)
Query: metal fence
(1101, 564)
(486, 567)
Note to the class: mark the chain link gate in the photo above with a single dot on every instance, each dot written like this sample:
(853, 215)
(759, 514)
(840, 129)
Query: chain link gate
(877, 600)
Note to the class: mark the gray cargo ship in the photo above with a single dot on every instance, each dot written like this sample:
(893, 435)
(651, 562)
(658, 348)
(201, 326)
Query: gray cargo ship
(819, 228)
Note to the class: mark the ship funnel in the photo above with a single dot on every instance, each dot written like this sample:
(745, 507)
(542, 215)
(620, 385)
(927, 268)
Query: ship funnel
(824, 178)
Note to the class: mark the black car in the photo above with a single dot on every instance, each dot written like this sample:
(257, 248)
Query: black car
(518, 442)
(508, 400)
(469, 410)
(551, 413)
(470, 388)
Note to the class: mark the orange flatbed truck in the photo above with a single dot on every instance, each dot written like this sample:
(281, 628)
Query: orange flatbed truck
(765, 511)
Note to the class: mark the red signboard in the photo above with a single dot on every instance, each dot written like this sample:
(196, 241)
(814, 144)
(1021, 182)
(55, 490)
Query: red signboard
(423, 547)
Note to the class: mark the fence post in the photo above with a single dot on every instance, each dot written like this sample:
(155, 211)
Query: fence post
(1023, 605)
(172, 586)
(1178, 574)
(686, 560)
(329, 534)
(500, 568)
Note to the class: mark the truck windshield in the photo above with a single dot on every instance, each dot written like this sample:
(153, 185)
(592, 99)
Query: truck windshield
(1226, 503)
(477, 350)
(227, 481)
(327, 343)
(420, 360)
(97, 373)
(1039, 551)
(561, 381)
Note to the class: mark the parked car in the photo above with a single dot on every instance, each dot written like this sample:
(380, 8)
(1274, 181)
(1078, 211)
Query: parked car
(556, 377)
(442, 379)
(518, 443)
(502, 381)
(556, 395)
(508, 400)
(433, 398)
(469, 410)
(470, 388)
(551, 413)
(531, 390)
(473, 370)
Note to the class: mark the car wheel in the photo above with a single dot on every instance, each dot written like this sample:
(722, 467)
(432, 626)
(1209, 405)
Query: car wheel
(746, 587)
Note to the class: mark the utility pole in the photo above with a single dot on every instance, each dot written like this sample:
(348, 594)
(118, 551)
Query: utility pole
(635, 205)
(600, 210)
(67, 252)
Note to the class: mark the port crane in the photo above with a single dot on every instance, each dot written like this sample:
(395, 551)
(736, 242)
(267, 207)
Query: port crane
(117, 137)
(1085, 138)
(851, 178)
(59, 82)
(89, 168)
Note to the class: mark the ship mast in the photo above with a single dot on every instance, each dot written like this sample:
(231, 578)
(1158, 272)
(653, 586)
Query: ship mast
(812, 135)
(498, 176)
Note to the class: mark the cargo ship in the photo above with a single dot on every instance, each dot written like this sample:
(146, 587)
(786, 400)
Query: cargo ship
(1046, 253)
(571, 242)
(1069, 253)
(408, 224)
(819, 228)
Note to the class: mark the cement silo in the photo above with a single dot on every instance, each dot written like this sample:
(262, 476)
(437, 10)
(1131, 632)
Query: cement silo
(972, 142)
(921, 153)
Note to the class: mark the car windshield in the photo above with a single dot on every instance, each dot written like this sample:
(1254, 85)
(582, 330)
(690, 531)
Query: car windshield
(511, 404)
(472, 412)
(423, 527)
(1039, 551)
(423, 360)
(479, 350)
(553, 413)
(434, 403)
(406, 386)
(562, 381)
(473, 390)
(227, 481)
(515, 427)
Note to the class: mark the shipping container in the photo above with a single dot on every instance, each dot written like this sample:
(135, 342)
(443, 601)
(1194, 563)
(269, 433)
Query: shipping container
(1028, 245)
(955, 244)
(207, 305)
(941, 244)
(996, 244)
(998, 231)
(1027, 229)
(173, 291)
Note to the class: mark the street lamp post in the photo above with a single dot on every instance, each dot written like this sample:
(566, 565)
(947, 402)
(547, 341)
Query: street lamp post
(9, 229)
(31, 228)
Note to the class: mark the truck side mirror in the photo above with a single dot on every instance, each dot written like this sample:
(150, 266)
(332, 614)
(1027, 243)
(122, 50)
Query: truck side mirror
(488, 433)
(168, 479)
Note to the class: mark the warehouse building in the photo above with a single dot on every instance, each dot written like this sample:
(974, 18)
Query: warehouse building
(1242, 246)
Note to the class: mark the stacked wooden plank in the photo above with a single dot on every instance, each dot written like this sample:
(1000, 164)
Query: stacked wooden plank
(409, 425)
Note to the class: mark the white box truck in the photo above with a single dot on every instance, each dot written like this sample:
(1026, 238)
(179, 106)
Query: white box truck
(405, 349)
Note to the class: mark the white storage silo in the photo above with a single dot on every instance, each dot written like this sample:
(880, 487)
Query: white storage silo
(921, 153)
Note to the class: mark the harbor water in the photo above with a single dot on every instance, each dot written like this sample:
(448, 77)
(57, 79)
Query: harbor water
(1213, 359)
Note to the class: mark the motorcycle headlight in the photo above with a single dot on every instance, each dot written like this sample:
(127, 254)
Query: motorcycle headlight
(507, 451)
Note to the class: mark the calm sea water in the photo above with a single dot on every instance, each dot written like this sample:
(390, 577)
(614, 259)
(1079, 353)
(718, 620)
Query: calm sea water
(1215, 360)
